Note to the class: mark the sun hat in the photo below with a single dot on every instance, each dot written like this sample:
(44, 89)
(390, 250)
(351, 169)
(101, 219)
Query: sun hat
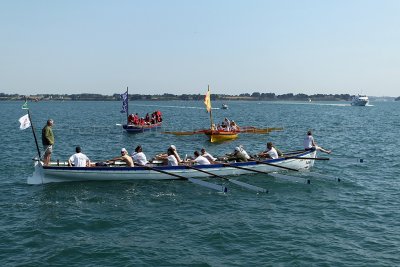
(124, 150)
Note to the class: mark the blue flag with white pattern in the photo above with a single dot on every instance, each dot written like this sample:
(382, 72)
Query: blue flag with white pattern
(124, 98)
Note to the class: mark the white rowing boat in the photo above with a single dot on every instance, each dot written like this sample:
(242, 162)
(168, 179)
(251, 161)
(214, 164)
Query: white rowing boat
(53, 173)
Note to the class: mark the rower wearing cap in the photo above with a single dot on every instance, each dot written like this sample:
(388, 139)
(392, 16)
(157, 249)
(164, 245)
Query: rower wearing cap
(166, 157)
(239, 154)
(178, 158)
(124, 157)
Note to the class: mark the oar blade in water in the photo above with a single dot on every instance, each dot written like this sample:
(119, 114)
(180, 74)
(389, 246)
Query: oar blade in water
(323, 177)
(291, 178)
(209, 185)
(249, 186)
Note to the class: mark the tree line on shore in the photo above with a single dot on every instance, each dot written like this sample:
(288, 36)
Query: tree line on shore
(256, 96)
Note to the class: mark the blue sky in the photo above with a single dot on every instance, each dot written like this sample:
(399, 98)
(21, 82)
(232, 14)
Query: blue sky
(155, 47)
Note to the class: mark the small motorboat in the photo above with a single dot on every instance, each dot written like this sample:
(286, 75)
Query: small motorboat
(224, 106)
(359, 100)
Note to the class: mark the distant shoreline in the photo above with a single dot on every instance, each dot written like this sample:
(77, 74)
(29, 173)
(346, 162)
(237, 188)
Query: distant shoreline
(187, 97)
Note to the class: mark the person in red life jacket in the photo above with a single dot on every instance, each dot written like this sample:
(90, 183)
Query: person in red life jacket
(136, 119)
(131, 119)
(147, 118)
(158, 116)
(153, 118)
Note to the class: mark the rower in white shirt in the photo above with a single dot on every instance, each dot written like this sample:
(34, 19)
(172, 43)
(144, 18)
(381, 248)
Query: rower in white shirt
(79, 159)
(199, 159)
(171, 159)
(139, 157)
(207, 155)
(270, 152)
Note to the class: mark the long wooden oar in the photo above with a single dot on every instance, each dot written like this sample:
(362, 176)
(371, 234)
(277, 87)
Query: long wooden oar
(348, 159)
(290, 178)
(243, 168)
(275, 165)
(243, 184)
(322, 176)
(294, 157)
(193, 180)
(286, 177)
(184, 133)
(259, 130)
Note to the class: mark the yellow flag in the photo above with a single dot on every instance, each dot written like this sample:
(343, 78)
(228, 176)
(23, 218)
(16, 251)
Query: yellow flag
(207, 100)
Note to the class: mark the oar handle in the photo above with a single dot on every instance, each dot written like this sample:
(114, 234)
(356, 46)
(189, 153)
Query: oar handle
(193, 180)
(243, 184)
(206, 172)
(164, 172)
(242, 168)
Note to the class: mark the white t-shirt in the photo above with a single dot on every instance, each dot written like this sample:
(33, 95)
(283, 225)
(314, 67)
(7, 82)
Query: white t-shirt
(202, 160)
(172, 161)
(273, 153)
(139, 158)
(308, 141)
(244, 153)
(79, 159)
(209, 157)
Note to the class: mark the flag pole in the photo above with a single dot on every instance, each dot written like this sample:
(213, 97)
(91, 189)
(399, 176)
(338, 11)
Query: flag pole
(127, 106)
(211, 121)
(33, 131)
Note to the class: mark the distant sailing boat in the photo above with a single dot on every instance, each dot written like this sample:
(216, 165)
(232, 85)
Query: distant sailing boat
(214, 134)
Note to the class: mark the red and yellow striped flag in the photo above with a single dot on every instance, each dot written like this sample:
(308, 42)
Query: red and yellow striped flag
(207, 100)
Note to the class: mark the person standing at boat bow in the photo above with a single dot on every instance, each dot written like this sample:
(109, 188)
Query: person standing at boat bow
(47, 141)
(310, 144)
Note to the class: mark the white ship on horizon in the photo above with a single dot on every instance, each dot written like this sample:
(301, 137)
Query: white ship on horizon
(359, 100)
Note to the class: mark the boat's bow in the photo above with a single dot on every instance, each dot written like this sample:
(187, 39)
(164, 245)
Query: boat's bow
(37, 175)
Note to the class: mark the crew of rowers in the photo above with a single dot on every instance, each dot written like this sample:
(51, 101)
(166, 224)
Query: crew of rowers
(226, 126)
(156, 117)
(172, 157)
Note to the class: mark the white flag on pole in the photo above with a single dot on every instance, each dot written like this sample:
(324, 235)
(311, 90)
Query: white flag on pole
(25, 122)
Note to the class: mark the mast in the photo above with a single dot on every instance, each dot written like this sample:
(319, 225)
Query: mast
(211, 120)
(33, 130)
(127, 105)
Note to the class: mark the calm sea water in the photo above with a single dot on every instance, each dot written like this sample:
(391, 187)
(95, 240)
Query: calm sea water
(175, 223)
